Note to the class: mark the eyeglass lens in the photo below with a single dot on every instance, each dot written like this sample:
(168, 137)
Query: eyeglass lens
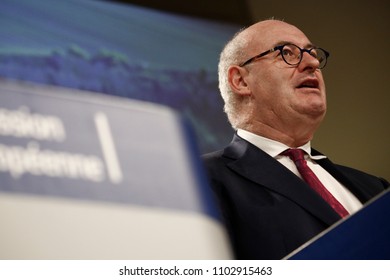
(292, 55)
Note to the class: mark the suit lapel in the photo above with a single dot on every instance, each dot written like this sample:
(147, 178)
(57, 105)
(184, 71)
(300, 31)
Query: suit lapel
(354, 187)
(259, 167)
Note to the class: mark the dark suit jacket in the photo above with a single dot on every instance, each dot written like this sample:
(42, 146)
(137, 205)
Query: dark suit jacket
(268, 210)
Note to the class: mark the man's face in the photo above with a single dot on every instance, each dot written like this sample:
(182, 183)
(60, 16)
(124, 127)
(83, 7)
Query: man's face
(283, 94)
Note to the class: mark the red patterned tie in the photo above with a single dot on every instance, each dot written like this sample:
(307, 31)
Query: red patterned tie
(297, 155)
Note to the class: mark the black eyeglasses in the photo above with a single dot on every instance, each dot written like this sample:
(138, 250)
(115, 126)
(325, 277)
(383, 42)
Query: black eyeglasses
(293, 54)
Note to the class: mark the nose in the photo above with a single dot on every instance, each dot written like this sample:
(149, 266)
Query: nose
(308, 62)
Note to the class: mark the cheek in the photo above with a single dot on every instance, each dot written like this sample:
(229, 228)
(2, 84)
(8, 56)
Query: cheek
(273, 83)
(271, 87)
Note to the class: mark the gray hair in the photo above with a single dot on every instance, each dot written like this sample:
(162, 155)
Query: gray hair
(232, 54)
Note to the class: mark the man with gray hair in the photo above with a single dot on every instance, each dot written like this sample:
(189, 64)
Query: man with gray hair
(274, 191)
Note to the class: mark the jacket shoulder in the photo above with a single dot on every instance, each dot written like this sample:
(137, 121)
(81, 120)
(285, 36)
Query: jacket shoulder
(361, 177)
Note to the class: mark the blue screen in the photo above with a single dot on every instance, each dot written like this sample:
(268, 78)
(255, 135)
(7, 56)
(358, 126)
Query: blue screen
(121, 50)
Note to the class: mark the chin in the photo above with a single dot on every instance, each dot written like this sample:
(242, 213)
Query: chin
(313, 107)
(318, 113)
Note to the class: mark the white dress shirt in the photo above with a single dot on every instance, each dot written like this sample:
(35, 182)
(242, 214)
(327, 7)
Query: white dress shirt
(274, 148)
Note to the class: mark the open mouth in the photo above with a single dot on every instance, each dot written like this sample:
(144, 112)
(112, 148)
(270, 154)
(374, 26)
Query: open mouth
(309, 84)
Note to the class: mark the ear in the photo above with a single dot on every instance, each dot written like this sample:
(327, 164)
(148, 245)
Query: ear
(237, 80)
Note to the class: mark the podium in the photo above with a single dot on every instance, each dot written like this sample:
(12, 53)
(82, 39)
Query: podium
(90, 176)
(364, 235)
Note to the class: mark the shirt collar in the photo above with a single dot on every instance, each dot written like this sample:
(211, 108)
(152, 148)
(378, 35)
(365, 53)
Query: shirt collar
(272, 147)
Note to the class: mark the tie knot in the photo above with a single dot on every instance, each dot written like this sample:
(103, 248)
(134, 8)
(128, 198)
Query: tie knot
(294, 154)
